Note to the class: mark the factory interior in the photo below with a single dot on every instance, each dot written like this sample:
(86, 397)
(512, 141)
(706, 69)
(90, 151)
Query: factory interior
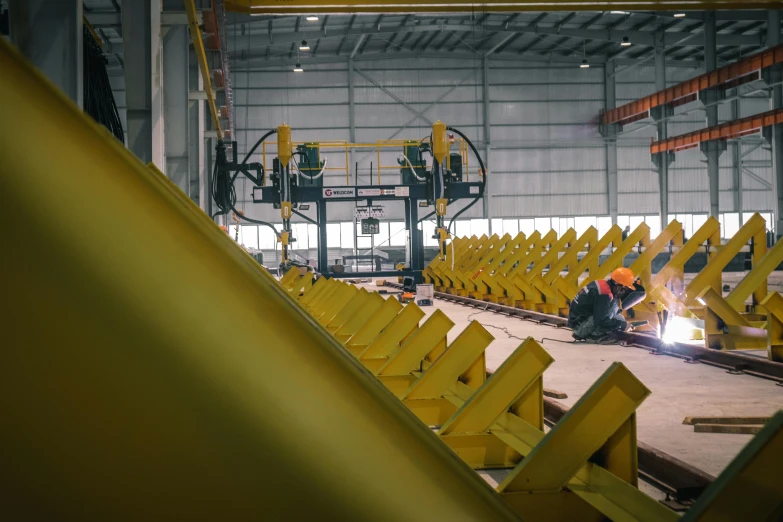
(268, 249)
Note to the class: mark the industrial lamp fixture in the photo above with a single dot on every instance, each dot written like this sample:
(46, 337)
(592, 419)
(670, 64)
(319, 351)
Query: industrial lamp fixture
(298, 68)
(304, 46)
(312, 18)
(679, 15)
(584, 64)
(625, 43)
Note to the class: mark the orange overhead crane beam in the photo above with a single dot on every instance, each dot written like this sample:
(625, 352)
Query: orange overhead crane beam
(743, 71)
(732, 129)
(454, 6)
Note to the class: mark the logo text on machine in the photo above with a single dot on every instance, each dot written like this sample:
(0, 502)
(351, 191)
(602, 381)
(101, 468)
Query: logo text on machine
(348, 192)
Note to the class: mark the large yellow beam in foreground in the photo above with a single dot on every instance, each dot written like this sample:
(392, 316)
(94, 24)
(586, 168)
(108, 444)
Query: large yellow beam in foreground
(152, 371)
(451, 6)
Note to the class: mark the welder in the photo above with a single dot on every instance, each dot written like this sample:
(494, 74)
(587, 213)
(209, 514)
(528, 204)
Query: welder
(595, 313)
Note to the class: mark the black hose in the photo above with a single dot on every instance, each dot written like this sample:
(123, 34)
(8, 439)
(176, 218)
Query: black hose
(97, 93)
(483, 177)
(259, 142)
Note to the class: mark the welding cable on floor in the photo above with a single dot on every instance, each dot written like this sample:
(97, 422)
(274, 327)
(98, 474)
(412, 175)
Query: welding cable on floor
(555, 340)
(501, 328)
(483, 177)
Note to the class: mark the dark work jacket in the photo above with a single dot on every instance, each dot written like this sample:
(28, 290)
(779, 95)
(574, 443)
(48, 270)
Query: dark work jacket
(594, 300)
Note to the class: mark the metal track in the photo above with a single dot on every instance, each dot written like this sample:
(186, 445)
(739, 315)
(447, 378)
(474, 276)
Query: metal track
(683, 482)
(732, 362)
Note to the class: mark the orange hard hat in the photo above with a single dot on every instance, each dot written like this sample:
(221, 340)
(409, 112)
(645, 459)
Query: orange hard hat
(623, 276)
(224, 228)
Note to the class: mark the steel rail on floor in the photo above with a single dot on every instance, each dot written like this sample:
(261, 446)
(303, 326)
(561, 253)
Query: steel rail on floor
(683, 482)
(732, 362)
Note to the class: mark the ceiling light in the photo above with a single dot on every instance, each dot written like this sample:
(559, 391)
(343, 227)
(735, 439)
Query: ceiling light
(625, 43)
(298, 68)
(584, 64)
(304, 46)
(312, 18)
(679, 15)
(619, 12)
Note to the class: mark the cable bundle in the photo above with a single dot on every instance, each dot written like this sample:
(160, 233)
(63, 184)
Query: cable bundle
(98, 97)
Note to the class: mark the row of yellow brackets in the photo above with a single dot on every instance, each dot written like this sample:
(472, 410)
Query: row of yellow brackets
(545, 273)
(584, 468)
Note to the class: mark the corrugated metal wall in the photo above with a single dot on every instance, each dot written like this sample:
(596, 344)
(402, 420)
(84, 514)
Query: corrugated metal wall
(547, 157)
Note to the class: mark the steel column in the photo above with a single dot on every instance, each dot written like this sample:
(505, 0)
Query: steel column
(323, 254)
(736, 153)
(610, 133)
(351, 111)
(663, 159)
(143, 96)
(776, 102)
(712, 149)
(487, 133)
(49, 34)
(176, 70)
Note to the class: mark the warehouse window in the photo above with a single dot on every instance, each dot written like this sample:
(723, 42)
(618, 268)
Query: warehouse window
(248, 236)
(266, 238)
(479, 227)
(510, 227)
(766, 215)
(654, 222)
(697, 220)
(527, 226)
(496, 225)
(382, 237)
(604, 223)
(312, 235)
(299, 230)
(582, 223)
(462, 228)
(543, 225)
(397, 233)
(346, 235)
(333, 235)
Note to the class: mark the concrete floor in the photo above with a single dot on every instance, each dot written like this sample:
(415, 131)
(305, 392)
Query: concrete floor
(679, 389)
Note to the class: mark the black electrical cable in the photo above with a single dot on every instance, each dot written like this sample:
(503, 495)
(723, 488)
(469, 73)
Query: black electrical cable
(97, 93)
(483, 177)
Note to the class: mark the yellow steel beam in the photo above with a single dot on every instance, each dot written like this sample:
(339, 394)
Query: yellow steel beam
(201, 57)
(719, 261)
(751, 487)
(367, 332)
(773, 305)
(757, 277)
(502, 390)
(600, 412)
(388, 340)
(160, 410)
(458, 359)
(416, 348)
(451, 6)
(361, 317)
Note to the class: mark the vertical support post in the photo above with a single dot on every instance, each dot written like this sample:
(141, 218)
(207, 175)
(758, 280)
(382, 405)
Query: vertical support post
(736, 162)
(49, 34)
(323, 254)
(664, 159)
(487, 132)
(176, 67)
(776, 102)
(204, 195)
(415, 235)
(712, 149)
(610, 135)
(143, 97)
(351, 114)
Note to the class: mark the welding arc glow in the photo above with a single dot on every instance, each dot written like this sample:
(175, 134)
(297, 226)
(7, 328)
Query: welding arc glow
(678, 329)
